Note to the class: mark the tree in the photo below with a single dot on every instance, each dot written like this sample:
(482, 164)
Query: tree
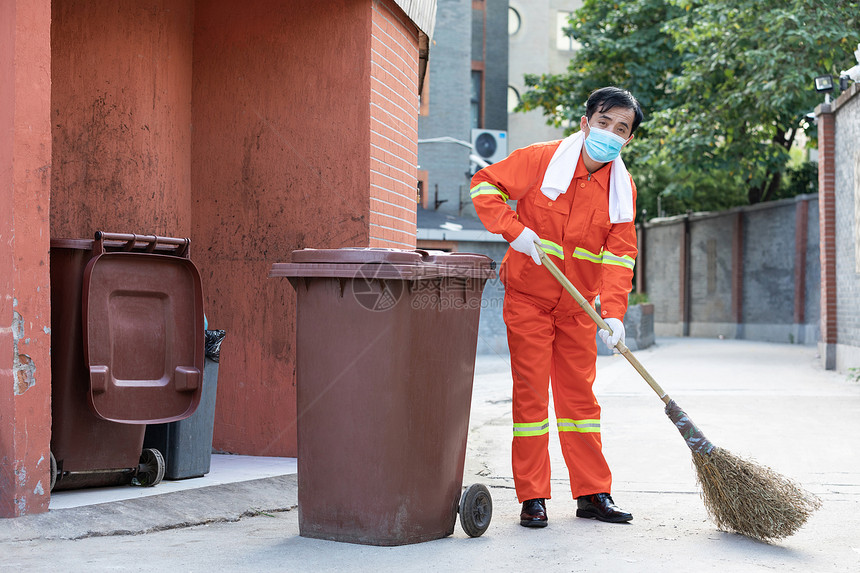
(622, 43)
(726, 86)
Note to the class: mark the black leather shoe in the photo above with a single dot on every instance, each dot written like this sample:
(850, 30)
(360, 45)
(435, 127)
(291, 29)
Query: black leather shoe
(534, 513)
(600, 506)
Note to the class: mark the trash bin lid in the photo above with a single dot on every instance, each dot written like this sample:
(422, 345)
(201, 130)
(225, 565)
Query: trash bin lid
(356, 255)
(143, 336)
(393, 264)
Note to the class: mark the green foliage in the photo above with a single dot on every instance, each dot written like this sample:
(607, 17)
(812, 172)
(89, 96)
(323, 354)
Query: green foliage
(637, 298)
(799, 180)
(623, 43)
(725, 85)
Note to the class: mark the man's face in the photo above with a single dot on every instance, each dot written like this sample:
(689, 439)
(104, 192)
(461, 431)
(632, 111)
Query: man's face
(617, 120)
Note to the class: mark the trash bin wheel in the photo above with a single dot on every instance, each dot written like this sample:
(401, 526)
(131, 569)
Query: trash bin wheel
(476, 509)
(151, 469)
(53, 471)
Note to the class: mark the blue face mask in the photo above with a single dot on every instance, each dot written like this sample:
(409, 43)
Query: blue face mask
(603, 146)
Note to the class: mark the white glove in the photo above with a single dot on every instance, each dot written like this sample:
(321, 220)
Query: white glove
(610, 340)
(525, 243)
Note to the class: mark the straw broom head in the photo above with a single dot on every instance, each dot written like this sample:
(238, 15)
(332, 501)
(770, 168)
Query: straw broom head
(751, 499)
(739, 494)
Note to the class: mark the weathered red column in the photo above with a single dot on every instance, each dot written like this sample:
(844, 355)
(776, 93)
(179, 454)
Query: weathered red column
(738, 274)
(25, 320)
(801, 225)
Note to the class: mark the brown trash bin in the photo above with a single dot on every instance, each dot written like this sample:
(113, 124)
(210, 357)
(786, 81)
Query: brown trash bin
(126, 350)
(385, 356)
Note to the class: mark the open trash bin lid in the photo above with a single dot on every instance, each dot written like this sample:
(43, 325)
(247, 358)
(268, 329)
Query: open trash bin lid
(143, 336)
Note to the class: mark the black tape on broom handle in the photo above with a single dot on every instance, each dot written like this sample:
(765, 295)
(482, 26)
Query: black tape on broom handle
(620, 346)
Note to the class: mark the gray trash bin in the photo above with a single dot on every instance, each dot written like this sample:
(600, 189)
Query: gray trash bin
(187, 444)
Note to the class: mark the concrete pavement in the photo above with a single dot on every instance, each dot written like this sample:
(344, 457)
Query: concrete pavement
(771, 402)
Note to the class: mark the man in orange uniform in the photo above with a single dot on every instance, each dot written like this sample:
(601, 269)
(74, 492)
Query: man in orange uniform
(577, 200)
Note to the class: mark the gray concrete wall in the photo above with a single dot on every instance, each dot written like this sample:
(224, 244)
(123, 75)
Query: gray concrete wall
(808, 332)
(662, 271)
(492, 336)
(496, 66)
(768, 277)
(711, 284)
(768, 273)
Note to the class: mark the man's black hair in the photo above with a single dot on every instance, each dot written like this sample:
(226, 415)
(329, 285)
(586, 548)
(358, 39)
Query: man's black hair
(604, 99)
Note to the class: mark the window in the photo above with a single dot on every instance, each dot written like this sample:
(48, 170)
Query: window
(513, 98)
(563, 42)
(514, 21)
(477, 81)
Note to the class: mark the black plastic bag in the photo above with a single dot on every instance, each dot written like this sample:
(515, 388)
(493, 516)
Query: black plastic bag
(214, 338)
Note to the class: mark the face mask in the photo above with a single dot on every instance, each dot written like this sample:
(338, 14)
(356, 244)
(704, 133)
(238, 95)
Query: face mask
(603, 146)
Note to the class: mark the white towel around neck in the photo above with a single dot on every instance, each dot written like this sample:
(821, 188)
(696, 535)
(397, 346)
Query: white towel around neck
(559, 174)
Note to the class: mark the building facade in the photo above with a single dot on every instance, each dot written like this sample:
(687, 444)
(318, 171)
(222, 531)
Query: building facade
(538, 45)
(466, 90)
(253, 129)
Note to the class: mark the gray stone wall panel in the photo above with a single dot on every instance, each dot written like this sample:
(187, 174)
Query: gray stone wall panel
(847, 282)
(711, 267)
(662, 273)
(768, 274)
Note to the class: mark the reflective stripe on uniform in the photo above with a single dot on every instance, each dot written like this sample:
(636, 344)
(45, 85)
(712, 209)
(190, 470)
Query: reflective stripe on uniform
(531, 429)
(551, 248)
(581, 426)
(604, 258)
(485, 188)
(625, 261)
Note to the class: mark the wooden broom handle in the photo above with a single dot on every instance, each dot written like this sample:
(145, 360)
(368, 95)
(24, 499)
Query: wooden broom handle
(622, 348)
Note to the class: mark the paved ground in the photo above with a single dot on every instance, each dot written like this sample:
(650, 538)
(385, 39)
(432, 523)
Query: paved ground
(769, 402)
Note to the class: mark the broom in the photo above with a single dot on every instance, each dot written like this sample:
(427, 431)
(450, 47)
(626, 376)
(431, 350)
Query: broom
(739, 495)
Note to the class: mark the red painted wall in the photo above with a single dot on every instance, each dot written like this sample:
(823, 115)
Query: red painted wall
(393, 127)
(25, 168)
(245, 126)
(121, 115)
(280, 156)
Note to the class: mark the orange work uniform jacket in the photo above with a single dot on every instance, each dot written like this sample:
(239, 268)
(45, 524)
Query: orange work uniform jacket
(596, 255)
(549, 336)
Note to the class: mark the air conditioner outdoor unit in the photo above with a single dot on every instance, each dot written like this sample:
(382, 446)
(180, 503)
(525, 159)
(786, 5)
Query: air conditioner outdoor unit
(490, 144)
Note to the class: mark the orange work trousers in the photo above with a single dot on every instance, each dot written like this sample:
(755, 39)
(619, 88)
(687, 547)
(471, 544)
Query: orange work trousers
(546, 347)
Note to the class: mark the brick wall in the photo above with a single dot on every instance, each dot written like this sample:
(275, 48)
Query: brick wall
(846, 190)
(827, 253)
(751, 273)
(393, 127)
